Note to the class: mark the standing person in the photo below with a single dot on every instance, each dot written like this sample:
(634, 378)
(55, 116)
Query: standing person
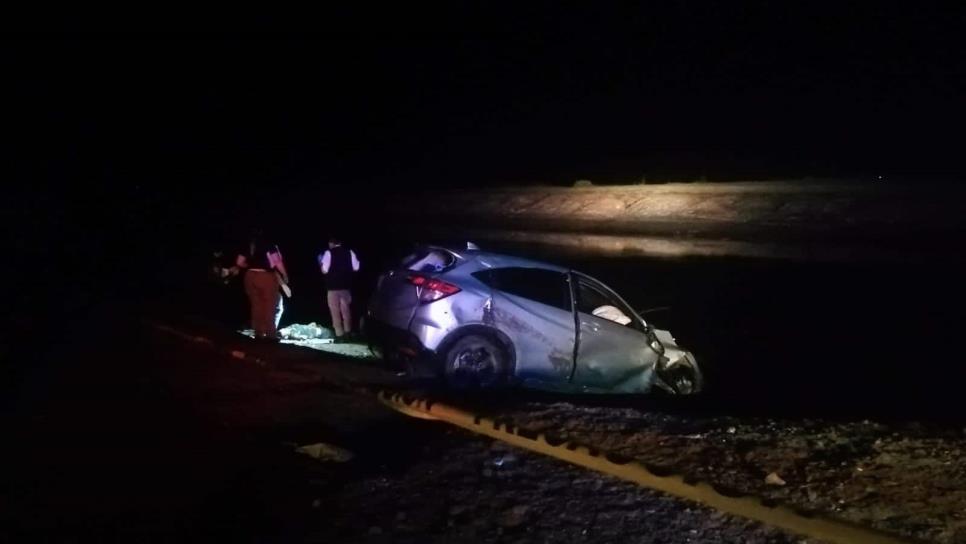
(263, 267)
(226, 289)
(339, 264)
(283, 285)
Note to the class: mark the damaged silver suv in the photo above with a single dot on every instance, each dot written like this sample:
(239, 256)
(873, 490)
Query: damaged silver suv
(482, 319)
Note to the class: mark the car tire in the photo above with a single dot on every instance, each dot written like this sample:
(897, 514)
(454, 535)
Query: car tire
(476, 362)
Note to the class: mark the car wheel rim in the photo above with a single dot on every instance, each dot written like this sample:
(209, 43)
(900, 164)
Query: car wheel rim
(474, 366)
(475, 361)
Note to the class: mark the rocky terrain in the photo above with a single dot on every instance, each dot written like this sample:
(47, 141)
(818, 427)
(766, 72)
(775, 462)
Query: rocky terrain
(907, 478)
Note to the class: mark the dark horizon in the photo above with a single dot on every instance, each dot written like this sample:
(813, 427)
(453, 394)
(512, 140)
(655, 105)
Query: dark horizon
(692, 94)
(125, 142)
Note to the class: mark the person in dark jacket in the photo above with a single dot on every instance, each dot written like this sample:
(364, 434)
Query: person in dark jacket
(338, 265)
(228, 301)
(264, 269)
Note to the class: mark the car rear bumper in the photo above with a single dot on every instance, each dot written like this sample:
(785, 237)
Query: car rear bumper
(397, 344)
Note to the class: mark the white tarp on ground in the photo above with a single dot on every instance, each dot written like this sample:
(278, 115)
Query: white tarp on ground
(311, 331)
(315, 336)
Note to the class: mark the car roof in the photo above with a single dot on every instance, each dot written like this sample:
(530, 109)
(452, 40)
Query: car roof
(488, 259)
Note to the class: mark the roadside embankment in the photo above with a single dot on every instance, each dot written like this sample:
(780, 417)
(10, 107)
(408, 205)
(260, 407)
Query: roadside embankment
(788, 220)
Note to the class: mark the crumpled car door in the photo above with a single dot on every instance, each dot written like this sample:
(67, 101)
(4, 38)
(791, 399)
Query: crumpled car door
(610, 355)
(543, 334)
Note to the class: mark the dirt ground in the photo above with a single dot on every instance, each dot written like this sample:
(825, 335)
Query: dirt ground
(139, 436)
(901, 476)
(475, 490)
(906, 478)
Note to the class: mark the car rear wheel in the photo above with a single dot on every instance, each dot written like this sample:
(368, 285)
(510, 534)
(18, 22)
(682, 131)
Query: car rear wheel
(475, 361)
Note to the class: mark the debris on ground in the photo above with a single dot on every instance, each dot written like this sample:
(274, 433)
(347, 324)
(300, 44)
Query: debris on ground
(774, 479)
(325, 452)
(310, 331)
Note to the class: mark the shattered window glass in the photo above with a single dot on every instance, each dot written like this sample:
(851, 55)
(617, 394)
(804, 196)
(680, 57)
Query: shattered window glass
(543, 286)
(589, 298)
(429, 260)
(594, 301)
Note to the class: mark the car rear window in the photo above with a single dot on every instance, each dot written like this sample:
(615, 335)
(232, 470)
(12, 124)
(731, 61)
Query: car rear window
(544, 286)
(429, 260)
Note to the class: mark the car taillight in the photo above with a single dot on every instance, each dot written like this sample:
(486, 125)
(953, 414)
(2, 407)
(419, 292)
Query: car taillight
(432, 289)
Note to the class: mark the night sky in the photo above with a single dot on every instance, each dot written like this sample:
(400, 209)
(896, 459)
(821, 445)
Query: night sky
(682, 92)
(144, 132)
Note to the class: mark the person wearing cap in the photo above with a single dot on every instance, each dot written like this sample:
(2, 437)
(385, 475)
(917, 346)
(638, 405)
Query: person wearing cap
(339, 264)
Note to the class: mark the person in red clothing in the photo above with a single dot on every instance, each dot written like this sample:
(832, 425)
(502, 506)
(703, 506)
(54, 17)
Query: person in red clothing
(264, 267)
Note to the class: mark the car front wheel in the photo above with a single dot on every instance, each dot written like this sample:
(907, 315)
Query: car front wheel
(475, 361)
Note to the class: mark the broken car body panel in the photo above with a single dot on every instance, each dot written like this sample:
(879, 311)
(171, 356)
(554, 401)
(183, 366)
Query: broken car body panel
(610, 354)
(544, 350)
(563, 330)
